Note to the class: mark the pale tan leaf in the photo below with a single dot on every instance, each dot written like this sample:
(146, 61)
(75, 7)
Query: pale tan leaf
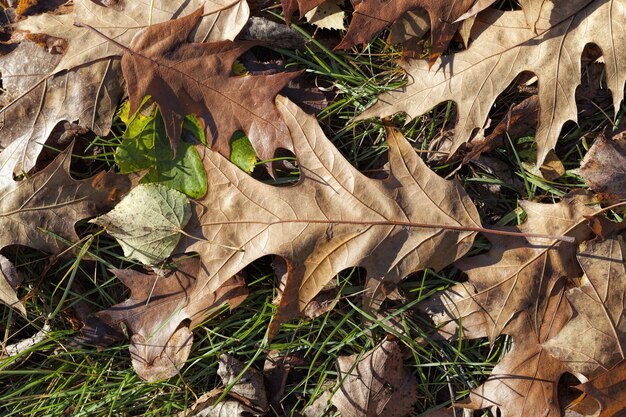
(604, 166)
(504, 46)
(327, 15)
(9, 280)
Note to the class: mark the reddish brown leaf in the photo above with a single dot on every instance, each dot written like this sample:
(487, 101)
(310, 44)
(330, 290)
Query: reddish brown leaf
(609, 390)
(604, 167)
(290, 6)
(185, 77)
(161, 310)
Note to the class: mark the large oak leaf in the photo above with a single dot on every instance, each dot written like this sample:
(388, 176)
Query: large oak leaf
(334, 218)
(504, 47)
(196, 78)
(51, 201)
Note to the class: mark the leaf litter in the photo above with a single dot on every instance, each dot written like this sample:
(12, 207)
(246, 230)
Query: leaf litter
(555, 277)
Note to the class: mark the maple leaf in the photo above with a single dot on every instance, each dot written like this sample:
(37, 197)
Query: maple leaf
(517, 288)
(334, 218)
(51, 201)
(595, 340)
(504, 47)
(160, 311)
(224, 20)
(39, 94)
(375, 383)
(184, 78)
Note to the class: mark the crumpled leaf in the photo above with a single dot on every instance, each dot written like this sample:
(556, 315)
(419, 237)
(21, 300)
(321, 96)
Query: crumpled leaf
(145, 146)
(165, 299)
(603, 168)
(595, 340)
(189, 78)
(375, 383)
(608, 390)
(503, 48)
(148, 222)
(51, 201)
(121, 22)
(9, 281)
(38, 95)
(517, 288)
(309, 224)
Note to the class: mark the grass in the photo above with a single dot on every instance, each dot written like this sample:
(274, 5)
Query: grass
(56, 377)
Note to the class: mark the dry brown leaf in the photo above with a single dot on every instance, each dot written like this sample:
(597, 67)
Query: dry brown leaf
(51, 201)
(125, 19)
(38, 96)
(517, 288)
(323, 224)
(375, 383)
(290, 6)
(9, 281)
(609, 391)
(161, 310)
(503, 48)
(32, 106)
(595, 339)
(185, 78)
(604, 167)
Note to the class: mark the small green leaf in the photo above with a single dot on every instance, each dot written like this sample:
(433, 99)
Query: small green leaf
(148, 222)
(145, 146)
(242, 153)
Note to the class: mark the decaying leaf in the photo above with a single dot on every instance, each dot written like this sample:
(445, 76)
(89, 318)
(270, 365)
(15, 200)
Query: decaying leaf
(161, 310)
(595, 339)
(375, 383)
(290, 6)
(517, 288)
(51, 201)
(334, 218)
(184, 78)
(604, 166)
(148, 222)
(503, 47)
(609, 391)
(125, 19)
(9, 281)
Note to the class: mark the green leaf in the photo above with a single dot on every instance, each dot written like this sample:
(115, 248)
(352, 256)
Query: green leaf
(148, 222)
(145, 146)
(242, 153)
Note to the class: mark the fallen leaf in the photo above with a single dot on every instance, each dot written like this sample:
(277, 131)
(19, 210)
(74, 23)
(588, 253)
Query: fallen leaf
(121, 22)
(504, 47)
(50, 202)
(609, 391)
(33, 105)
(39, 94)
(604, 166)
(375, 383)
(161, 310)
(190, 78)
(327, 15)
(9, 281)
(371, 16)
(290, 6)
(249, 389)
(332, 219)
(518, 288)
(595, 339)
(148, 222)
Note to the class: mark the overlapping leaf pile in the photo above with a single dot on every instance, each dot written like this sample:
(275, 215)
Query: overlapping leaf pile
(555, 284)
